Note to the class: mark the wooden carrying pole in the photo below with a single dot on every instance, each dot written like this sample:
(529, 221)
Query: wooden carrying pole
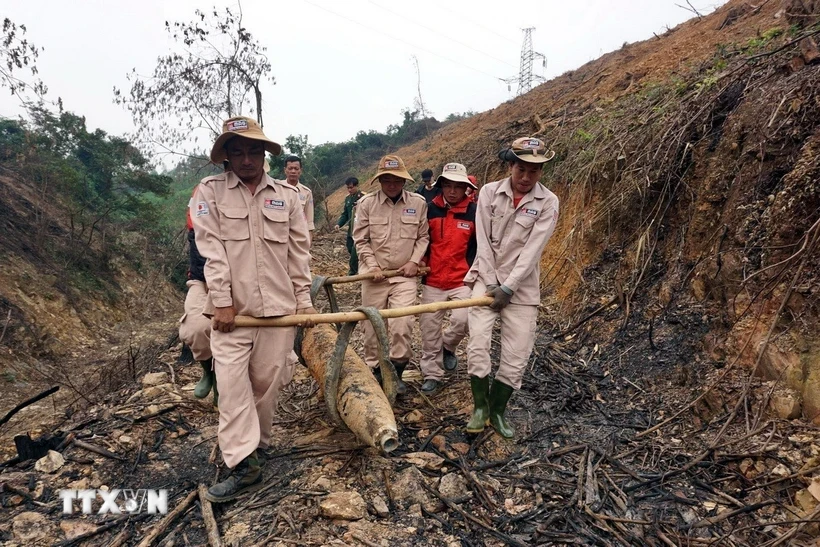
(350, 316)
(367, 276)
(352, 393)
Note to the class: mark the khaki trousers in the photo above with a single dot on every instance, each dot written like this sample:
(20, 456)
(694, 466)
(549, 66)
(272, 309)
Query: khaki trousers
(195, 328)
(432, 339)
(251, 366)
(517, 339)
(387, 294)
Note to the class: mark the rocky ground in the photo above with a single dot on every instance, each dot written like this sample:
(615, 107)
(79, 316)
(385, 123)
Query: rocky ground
(644, 441)
(685, 256)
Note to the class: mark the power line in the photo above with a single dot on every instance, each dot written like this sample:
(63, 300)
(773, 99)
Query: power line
(372, 29)
(440, 34)
(463, 18)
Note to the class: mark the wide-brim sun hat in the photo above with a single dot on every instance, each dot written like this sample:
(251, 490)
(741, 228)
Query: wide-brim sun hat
(456, 173)
(392, 165)
(529, 150)
(241, 126)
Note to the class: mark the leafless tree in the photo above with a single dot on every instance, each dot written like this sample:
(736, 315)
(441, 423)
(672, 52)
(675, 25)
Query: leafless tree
(217, 73)
(16, 53)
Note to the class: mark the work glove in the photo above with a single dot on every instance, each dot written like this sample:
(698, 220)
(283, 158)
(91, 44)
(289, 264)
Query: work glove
(501, 296)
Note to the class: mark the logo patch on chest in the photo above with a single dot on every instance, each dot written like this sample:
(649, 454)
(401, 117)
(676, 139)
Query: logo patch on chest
(278, 204)
(463, 225)
(529, 212)
(408, 212)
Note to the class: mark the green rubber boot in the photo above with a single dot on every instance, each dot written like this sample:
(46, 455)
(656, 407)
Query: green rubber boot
(243, 478)
(481, 408)
(500, 394)
(216, 393)
(208, 380)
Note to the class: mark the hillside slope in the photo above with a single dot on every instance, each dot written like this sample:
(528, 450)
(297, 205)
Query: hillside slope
(687, 168)
(80, 307)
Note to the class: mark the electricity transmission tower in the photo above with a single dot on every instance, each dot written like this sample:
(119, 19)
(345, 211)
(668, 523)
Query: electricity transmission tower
(525, 76)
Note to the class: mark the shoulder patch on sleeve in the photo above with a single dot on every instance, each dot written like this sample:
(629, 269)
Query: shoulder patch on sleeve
(202, 209)
(214, 178)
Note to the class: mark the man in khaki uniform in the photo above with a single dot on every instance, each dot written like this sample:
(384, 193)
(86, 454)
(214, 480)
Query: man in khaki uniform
(293, 170)
(515, 218)
(253, 233)
(194, 327)
(391, 233)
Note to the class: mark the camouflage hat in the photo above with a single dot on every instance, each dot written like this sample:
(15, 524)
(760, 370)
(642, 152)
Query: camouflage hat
(243, 127)
(392, 165)
(530, 150)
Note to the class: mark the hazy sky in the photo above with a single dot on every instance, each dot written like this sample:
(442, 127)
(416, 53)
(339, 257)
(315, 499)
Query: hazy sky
(340, 66)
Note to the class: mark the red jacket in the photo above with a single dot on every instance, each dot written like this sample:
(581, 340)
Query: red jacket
(452, 242)
(188, 222)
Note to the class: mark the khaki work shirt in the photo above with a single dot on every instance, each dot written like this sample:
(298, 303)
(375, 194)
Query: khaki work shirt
(389, 235)
(306, 197)
(511, 239)
(256, 246)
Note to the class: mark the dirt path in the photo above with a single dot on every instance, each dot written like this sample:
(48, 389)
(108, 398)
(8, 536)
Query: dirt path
(580, 470)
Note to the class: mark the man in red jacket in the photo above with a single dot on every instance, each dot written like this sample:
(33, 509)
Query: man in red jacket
(451, 215)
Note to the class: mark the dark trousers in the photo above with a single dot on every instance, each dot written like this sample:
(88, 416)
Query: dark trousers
(353, 264)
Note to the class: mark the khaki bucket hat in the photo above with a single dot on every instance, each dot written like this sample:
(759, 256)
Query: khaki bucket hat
(528, 149)
(456, 173)
(243, 127)
(392, 165)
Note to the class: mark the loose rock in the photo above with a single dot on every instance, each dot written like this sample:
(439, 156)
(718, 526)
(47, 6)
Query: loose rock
(155, 378)
(806, 501)
(74, 528)
(439, 443)
(344, 506)
(493, 484)
(81, 484)
(786, 405)
(407, 489)
(453, 486)
(461, 448)
(32, 528)
(50, 463)
(380, 506)
(426, 460)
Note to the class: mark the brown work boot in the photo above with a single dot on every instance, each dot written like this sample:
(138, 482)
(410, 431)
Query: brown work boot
(245, 477)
